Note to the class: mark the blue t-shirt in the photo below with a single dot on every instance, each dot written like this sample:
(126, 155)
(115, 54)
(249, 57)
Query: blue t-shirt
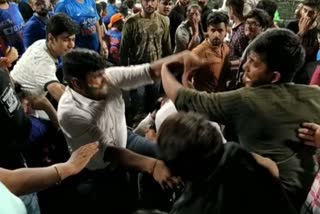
(85, 14)
(114, 37)
(34, 30)
(11, 26)
(111, 10)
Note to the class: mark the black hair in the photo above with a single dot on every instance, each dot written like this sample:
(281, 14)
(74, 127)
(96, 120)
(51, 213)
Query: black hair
(61, 23)
(78, 63)
(269, 6)
(99, 8)
(217, 18)
(194, 6)
(111, 1)
(103, 5)
(237, 6)
(261, 16)
(280, 50)
(186, 143)
(312, 3)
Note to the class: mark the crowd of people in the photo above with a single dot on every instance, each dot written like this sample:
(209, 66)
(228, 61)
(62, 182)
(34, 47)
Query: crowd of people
(159, 106)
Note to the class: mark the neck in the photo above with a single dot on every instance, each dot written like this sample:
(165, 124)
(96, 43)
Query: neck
(41, 17)
(51, 51)
(145, 15)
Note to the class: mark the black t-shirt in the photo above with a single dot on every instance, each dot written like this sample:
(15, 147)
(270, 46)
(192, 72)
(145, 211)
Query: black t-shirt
(14, 124)
(176, 16)
(309, 41)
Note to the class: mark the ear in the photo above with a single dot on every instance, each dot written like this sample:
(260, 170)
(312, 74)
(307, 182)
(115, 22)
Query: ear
(76, 84)
(276, 76)
(50, 37)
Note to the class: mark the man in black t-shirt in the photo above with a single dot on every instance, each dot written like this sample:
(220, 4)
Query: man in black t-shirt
(306, 29)
(14, 124)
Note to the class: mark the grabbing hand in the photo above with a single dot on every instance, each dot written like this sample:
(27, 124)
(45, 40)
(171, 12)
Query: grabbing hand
(162, 175)
(310, 134)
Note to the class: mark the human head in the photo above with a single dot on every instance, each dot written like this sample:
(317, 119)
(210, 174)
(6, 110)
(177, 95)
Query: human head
(235, 8)
(130, 3)
(41, 7)
(257, 21)
(61, 31)
(83, 70)
(217, 23)
(111, 1)
(203, 3)
(310, 8)
(183, 3)
(103, 8)
(273, 57)
(116, 21)
(149, 6)
(165, 7)
(186, 143)
(194, 13)
(270, 7)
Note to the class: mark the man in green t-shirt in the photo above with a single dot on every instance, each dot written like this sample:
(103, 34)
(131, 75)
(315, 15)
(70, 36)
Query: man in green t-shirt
(268, 111)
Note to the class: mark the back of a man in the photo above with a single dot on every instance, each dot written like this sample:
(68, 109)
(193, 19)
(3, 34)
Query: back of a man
(268, 111)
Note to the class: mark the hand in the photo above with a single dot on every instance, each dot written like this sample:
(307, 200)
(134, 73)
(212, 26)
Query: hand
(268, 164)
(162, 175)
(81, 157)
(12, 54)
(104, 50)
(310, 134)
(151, 135)
(304, 25)
(195, 26)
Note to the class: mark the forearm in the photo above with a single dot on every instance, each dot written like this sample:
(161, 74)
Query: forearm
(57, 92)
(27, 180)
(99, 32)
(42, 103)
(129, 159)
(170, 84)
(194, 42)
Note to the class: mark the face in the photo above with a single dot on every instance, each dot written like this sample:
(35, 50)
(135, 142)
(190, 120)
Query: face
(202, 3)
(194, 15)
(184, 3)
(255, 71)
(252, 28)
(217, 33)
(42, 7)
(62, 44)
(149, 6)
(96, 87)
(310, 12)
(165, 7)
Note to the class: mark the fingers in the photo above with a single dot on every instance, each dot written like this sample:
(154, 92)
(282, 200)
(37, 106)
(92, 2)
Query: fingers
(312, 126)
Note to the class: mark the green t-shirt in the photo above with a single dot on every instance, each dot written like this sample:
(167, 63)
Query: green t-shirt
(266, 119)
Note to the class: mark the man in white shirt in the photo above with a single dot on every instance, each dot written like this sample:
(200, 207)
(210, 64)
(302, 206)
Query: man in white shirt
(36, 70)
(92, 109)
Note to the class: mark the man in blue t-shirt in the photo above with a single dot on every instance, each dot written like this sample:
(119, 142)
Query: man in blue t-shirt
(84, 13)
(114, 38)
(11, 26)
(35, 28)
(111, 10)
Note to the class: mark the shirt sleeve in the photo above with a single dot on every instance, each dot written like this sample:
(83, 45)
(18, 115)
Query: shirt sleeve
(46, 74)
(181, 39)
(219, 107)
(129, 77)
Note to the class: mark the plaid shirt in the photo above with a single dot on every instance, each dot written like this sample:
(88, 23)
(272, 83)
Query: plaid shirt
(312, 204)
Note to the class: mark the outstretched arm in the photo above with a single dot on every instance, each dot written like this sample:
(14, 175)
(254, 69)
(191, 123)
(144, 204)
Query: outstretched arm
(27, 180)
(170, 84)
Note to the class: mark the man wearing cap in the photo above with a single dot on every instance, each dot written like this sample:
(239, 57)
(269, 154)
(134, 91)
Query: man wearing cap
(114, 38)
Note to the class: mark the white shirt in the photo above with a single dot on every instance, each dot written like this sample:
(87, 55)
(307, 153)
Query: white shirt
(35, 69)
(83, 120)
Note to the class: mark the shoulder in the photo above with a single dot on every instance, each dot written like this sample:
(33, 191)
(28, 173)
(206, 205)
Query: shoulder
(132, 19)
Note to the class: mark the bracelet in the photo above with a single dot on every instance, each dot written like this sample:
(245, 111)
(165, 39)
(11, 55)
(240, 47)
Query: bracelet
(58, 175)
(154, 166)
